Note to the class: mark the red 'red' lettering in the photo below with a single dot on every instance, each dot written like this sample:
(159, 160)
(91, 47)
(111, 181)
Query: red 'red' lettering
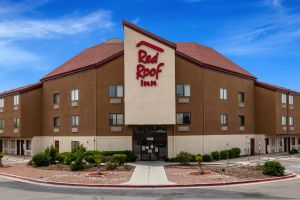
(143, 57)
(139, 69)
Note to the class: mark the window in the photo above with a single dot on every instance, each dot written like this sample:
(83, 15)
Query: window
(74, 95)
(115, 91)
(241, 97)
(75, 120)
(12, 144)
(56, 98)
(291, 121)
(1, 123)
(273, 142)
(16, 123)
(183, 90)
(283, 121)
(74, 144)
(291, 100)
(242, 120)
(28, 144)
(1, 103)
(280, 142)
(16, 100)
(56, 122)
(183, 118)
(224, 119)
(283, 98)
(116, 119)
(298, 140)
(293, 141)
(223, 94)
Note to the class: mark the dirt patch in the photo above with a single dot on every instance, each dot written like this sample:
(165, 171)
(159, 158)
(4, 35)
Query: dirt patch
(212, 174)
(61, 173)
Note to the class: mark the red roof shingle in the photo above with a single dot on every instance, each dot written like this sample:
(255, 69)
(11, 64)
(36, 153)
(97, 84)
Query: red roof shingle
(21, 89)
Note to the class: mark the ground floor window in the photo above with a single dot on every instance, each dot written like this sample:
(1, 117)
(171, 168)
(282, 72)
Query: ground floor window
(5, 144)
(280, 142)
(293, 141)
(12, 144)
(74, 144)
(273, 142)
(298, 140)
(28, 144)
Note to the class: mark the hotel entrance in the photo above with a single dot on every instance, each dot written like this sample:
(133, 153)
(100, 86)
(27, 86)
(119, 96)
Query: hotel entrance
(150, 142)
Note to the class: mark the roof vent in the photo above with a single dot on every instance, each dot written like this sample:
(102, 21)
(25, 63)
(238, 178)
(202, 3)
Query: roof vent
(114, 40)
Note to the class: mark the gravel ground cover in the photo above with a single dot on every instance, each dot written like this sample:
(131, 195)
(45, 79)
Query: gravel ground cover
(61, 173)
(214, 174)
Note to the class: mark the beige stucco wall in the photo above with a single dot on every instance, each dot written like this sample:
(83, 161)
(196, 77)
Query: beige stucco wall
(148, 104)
(208, 143)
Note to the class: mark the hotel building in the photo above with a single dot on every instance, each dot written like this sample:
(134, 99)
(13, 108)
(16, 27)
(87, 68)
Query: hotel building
(153, 97)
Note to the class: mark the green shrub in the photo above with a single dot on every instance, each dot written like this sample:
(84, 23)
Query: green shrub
(41, 159)
(61, 157)
(1, 155)
(215, 155)
(273, 168)
(207, 158)
(198, 158)
(184, 158)
(129, 154)
(30, 162)
(293, 151)
(110, 165)
(51, 152)
(118, 159)
(77, 165)
(235, 152)
(79, 148)
(223, 154)
(93, 159)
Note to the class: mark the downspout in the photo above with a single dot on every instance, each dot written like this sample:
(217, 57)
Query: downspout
(203, 88)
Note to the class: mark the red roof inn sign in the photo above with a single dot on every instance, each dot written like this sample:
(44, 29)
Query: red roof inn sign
(148, 66)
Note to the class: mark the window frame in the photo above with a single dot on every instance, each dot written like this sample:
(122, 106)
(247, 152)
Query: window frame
(56, 101)
(74, 95)
(115, 90)
(185, 92)
(283, 120)
(1, 102)
(223, 94)
(26, 145)
(114, 120)
(292, 121)
(241, 97)
(291, 100)
(242, 118)
(56, 119)
(2, 123)
(16, 123)
(284, 98)
(224, 119)
(183, 118)
(16, 100)
(75, 119)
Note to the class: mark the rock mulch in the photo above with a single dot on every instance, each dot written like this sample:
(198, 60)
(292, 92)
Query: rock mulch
(61, 173)
(214, 174)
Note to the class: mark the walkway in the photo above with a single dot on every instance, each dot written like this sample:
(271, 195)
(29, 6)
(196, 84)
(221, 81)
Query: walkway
(149, 173)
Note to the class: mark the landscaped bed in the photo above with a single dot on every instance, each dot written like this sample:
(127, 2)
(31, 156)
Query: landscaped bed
(62, 173)
(213, 174)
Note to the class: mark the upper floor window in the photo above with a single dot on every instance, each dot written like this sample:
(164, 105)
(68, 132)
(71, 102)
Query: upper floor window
(291, 100)
(1, 123)
(56, 98)
(241, 97)
(283, 121)
(283, 98)
(74, 95)
(16, 100)
(56, 122)
(116, 118)
(291, 121)
(115, 90)
(16, 123)
(183, 118)
(224, 119)
(1, 103)
(183, 90)
(223, 94)
(75, 120)
(242, 120)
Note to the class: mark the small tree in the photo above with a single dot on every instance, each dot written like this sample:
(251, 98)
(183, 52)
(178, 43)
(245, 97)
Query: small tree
(1, 156)
(199, 159)
(184, 158)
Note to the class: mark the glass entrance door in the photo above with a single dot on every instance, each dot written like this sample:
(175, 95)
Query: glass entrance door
(150, 142)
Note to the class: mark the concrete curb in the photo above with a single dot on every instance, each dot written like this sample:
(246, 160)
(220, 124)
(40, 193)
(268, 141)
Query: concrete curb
(288, 176)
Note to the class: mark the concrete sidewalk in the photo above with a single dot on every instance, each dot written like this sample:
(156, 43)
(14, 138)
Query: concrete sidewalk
(149, 173)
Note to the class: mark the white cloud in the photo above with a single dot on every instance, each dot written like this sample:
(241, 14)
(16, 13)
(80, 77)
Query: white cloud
(277, 3)
(20, 29)
(136, 20)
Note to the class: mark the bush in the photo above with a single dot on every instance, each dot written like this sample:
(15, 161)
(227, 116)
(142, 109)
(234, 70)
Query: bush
(61, 157)
(293, 151)
(215, 155)
(198, 158)
(184, 158)
(273, 168)
(1, 155)
(77, 165)
(110, 165)
(207, 158)
(41, 159)
(235, 152)
(223, 154)
(129, 154)
(118, 159)
(93, 157)
(79, 148)
(51, 152)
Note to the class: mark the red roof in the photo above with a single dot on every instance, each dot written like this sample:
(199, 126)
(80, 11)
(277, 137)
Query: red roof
(276, 88)
(21, 89)
(96, 55)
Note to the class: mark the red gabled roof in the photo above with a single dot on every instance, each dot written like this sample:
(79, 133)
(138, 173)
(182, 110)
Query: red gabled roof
(210, 57)
(21, 89)
(276, 88)
(87, 59)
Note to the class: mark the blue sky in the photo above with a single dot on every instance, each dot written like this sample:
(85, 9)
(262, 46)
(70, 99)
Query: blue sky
(262, 36)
